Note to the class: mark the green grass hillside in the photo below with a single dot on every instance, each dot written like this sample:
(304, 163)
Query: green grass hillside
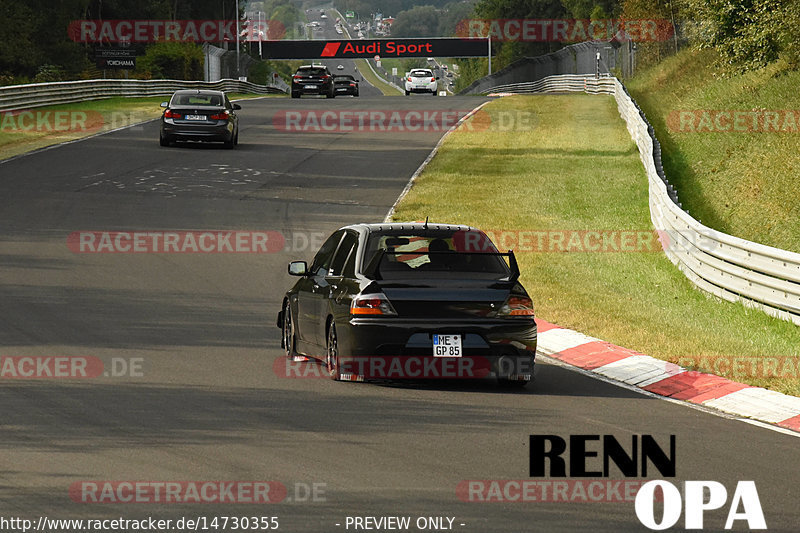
(532, 168)
(742, 182)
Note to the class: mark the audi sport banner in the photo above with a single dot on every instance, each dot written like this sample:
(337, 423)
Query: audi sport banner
(375, 47)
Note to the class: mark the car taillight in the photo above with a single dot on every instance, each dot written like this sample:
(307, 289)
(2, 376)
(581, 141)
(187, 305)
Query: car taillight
(371, 304)
(433, 79)
(352, 85)
(325, 77)
(220, 116)
(517, 306)
(169, 113)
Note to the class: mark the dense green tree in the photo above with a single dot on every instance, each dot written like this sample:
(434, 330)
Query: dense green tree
(748, 34)
(172, 60)
(19, 53)
(420, 21)
(452, 14)
(588, 9)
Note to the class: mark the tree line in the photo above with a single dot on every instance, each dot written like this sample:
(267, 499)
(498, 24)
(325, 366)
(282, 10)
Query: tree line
(747, 34)
(37, 47)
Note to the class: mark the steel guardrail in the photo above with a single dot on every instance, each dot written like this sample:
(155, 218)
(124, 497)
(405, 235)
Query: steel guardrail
(19, 97)
(728, 267)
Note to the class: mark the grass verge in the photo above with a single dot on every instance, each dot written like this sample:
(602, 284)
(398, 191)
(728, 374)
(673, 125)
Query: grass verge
(574, 167)
(375, 81)
(50, 125)
(732, 178)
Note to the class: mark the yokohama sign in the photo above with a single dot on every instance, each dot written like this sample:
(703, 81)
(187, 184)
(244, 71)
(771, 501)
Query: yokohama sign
(366, 48)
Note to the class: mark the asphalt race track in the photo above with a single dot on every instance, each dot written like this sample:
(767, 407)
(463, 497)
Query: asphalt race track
(204, 401)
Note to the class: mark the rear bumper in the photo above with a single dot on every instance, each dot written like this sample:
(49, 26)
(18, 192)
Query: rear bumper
(426, 89)
(320, 89)
(395, 349)
(212, 132)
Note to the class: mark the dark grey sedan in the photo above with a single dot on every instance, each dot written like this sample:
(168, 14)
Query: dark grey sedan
(199, 115)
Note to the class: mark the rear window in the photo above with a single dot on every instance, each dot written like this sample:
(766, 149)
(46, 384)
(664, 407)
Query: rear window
(435, 253)
(197, 99)
(422, 73)
(311, 71)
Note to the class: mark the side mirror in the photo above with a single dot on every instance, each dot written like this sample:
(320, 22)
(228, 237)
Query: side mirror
(164, 104)
(298, 268)
(236, 106)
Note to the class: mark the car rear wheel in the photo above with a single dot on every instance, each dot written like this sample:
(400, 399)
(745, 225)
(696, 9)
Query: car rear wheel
(408, 92)
(288, 333)
(295, 95)
(332, 360)
(163, 141)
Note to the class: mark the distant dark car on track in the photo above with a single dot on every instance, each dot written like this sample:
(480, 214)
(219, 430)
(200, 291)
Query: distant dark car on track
(345, 84)
(199, 115)
(414, 297)
(313, 79)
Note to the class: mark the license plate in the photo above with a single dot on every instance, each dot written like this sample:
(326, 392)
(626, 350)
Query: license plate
(195, 117)
(310, 86)
(342, 89)
(447, 345)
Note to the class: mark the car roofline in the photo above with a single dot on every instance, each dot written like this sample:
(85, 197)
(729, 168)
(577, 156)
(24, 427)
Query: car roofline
(198, 91)
(400, 226)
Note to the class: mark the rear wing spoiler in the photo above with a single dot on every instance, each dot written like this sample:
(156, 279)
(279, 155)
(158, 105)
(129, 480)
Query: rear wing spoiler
(371, 270)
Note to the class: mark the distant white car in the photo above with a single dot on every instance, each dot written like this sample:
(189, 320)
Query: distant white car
(340, 67)
(421, 80)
